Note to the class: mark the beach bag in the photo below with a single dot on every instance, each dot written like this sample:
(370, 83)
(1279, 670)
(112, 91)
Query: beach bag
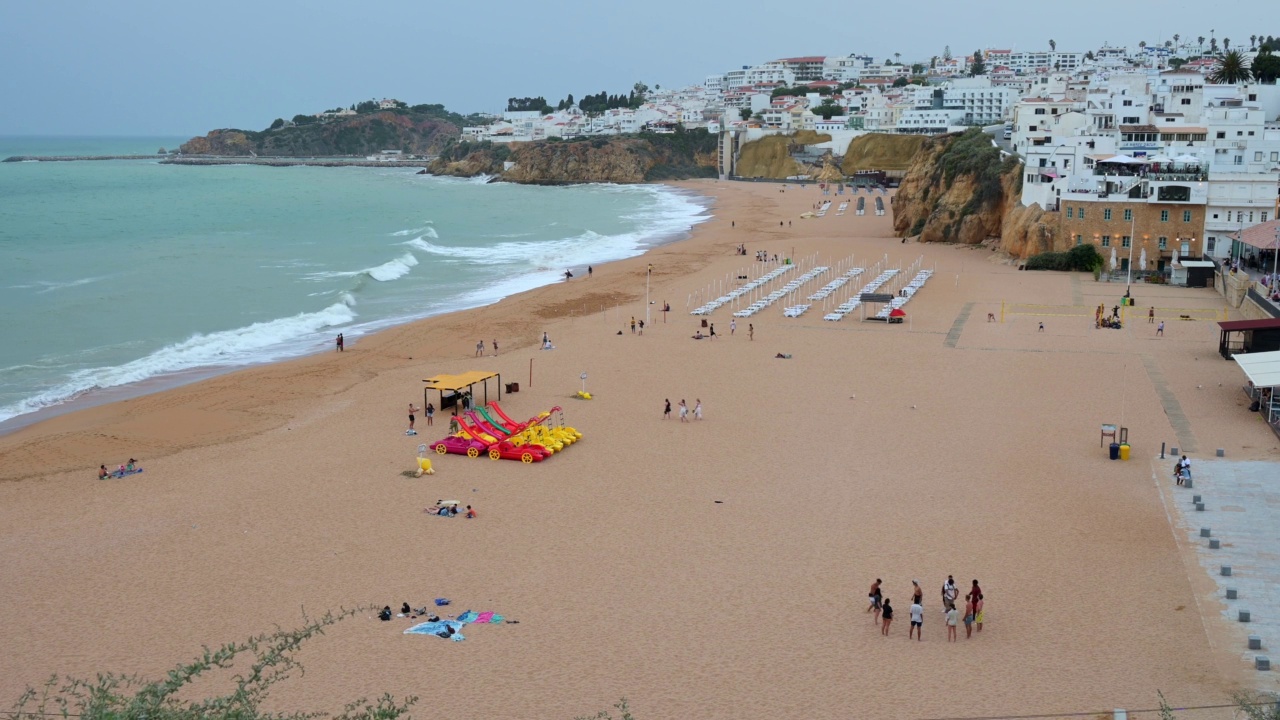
(441, 602)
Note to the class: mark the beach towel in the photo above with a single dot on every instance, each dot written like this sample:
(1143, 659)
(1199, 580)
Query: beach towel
(484, 617)
(496, 619)
(432, 628)
(441, 602)
(468, 617)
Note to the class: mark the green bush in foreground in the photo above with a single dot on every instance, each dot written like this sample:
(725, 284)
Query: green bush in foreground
(120, 697)
(1083, 258)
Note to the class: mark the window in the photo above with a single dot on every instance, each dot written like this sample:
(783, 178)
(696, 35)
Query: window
(1128, 215)
(1264, 216)
(1222, 135)
(1253, 97)
(1250, 217)
(1239, 216)
(1164, 216)
(1071, 212)
(1250, 133)
(1186, 101)
(1106, 214)
(1079, 239)
(1209, 243)
(1164, 241)
(1257, 157)
(1125, 241)
(1081, 213)
(1275, 157)
(1106, 241)
(1039, 111)
(1186, 216)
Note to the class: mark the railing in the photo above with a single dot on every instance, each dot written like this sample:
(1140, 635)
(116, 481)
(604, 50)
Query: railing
(1261, 301)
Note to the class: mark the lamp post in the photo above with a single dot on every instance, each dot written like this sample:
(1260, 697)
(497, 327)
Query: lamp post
(1128, 285)
(647, 273)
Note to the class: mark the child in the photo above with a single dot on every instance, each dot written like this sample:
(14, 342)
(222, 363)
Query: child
(470, 513)
(951, 623)
(103, 474)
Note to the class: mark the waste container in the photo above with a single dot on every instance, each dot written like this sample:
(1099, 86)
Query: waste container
(1124, 451)
(1115, 451)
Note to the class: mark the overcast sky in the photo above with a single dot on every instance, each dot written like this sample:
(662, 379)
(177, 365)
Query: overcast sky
(159, 67)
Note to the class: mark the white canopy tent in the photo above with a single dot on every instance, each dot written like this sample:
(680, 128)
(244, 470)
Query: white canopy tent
(1263, 371)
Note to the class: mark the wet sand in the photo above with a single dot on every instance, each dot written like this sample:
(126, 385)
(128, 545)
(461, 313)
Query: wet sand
(947, 445)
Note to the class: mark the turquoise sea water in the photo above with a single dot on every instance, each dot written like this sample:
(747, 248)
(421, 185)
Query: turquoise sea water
(114, 273)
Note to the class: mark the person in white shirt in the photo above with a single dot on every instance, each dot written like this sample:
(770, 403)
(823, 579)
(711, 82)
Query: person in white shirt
(952, 616)
(917, 621)
(949, 593)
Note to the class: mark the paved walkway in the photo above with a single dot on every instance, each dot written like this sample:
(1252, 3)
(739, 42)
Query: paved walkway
(1242, 511)
(957, 327)
(1172, 409)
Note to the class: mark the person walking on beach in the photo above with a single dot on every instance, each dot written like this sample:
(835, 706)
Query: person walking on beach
(339, 342)
(684, 411)
(431, 414)
(917, 621)
(588, 271)
(666, 412)
(951, 623)
(713, 331)
(1115, 312)
(697, 409)
(641, 327)
(633, 324)
(873, 598)
(974, 593)
(413, 409)
(1151, 315)
(733, 325)
(751, 331)
(917, 594)
(886, 612)
(1041, 327)
(480, 349)
(495, 347)
(1160, 328)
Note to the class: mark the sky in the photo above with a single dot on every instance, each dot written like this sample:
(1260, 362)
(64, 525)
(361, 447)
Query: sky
(147, 67)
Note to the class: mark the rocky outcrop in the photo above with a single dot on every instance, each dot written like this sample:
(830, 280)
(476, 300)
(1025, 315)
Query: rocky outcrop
(364, 134)
(631, 159)
(881, 151)
(958, 189)
(770, 156)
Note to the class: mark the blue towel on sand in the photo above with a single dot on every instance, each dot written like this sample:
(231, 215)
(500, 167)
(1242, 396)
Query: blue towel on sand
(431, 628)
(468, 616)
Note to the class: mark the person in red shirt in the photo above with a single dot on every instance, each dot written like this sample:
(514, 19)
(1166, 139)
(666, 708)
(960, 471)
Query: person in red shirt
(974, 594)
(470, 513)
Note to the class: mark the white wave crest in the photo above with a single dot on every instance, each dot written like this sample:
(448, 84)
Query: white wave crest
(426, 230)
(386, 272)
(260, 342)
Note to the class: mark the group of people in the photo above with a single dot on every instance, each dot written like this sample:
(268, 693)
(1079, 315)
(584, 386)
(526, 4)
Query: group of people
(480, 348)
(763, 255)
(633, 326)
(883, 610)
(684, 410)
(711, 330)
(450, 509)
(413, 416)
(128, 469)
(1182, 470)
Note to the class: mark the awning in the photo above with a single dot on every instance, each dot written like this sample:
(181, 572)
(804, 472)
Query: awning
(1262, 369)
(1262, 236)
(459, 382)
(1242, 325)
(1187, 159)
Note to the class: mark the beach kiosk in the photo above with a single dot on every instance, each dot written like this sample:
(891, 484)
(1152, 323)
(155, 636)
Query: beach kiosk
(1263, 371)
(452, 387)
(1248, 336)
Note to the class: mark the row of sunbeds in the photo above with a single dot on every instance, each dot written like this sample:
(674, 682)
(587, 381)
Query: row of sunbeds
(852, 303)
(729, 297)
(905, 294)
(777, 295)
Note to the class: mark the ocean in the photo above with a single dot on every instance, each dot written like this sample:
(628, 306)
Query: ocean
(119, 277)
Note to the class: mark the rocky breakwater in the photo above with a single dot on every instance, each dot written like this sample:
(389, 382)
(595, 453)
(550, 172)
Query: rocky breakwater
(959, 189)
(647, 157)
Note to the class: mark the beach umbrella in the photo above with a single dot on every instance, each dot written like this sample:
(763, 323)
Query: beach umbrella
(1175, 257)
(1113, 259)
(1142, 259)
(897, 312)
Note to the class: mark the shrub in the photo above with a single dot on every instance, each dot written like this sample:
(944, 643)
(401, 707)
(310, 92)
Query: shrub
(127, 697)
(1082, 258)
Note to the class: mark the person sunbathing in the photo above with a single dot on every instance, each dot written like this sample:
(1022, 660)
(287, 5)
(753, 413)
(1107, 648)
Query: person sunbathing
(102, 472)
(698, 335)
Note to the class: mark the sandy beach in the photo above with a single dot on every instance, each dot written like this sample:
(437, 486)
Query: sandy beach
(712, 569)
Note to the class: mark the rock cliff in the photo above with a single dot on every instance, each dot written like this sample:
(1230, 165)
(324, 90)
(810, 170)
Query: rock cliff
(630, 159)
(957, 189)
(770, 156)
(364, 134)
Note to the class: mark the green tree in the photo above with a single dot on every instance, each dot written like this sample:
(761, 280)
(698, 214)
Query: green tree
(917, 69)
(1176, 38)
(1266, 66)
(1177, 62)
(979, 66)
(1226, 44)
(901, 82)
(745, 113)
(946, 52)
(277, 123)
(1053, 45)
(1200, 43)
(303, 119)
(1253, 41)
(1232, 68)
(827, 109)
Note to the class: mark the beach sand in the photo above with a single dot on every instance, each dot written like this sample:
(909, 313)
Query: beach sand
(947, 445)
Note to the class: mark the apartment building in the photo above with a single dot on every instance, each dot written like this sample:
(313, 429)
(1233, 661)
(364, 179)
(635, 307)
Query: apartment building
(805, 69)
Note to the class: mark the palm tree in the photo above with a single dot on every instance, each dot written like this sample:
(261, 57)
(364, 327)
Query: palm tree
(1168, 44)
(1142, 44)
(1176, 38)
(1213, 46)
(1253, 41)
(1226, 43)
(1200, 42)
(1053, 45)
(898, 57)
(1232, 68)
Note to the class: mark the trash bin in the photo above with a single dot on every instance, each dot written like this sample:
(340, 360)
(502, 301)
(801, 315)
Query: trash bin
(1124, 451)
(1115, 451)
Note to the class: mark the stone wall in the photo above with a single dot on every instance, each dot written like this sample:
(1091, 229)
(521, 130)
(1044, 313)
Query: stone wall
(1147, 226)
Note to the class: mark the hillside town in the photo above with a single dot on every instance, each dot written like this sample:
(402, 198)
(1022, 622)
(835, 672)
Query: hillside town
(1148, 152)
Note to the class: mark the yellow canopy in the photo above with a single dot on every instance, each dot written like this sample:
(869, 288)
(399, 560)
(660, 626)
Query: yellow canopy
(459, 382)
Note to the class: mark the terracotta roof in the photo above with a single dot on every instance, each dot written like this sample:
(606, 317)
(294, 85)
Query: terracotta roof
(1139, 128)
(1241, 325)
(1262, 235)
